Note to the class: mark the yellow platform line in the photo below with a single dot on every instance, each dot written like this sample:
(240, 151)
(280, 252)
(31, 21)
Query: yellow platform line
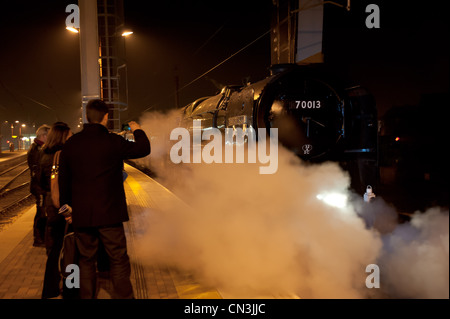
(188, 288)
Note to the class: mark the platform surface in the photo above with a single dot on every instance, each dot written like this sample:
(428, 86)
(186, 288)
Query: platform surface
(7, 155)
(22, 266)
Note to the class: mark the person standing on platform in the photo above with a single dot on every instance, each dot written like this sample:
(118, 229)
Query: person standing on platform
(33, 157)
(54, 231)
(91, 182)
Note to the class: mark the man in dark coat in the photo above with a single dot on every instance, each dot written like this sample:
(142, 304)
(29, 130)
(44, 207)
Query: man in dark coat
(33, 158)
(91, 182)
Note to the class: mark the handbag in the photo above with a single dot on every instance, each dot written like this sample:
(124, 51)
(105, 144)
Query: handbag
(54, 185)
(69, 252)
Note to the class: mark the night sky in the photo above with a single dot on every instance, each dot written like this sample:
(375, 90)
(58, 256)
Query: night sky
(39, 59)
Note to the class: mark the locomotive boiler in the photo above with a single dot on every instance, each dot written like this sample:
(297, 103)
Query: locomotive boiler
(317, 117)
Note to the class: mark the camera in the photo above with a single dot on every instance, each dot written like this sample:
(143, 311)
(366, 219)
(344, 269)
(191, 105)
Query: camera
(125, 127)
(65, 210)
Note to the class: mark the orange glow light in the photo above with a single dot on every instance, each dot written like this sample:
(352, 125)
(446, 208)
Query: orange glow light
(72, 29)
(127, 33)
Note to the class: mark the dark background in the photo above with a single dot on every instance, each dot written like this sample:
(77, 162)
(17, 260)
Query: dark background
(404, 59)
(405, 64)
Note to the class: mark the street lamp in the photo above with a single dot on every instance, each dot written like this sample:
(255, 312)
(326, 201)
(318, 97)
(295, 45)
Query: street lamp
(20, 133)
(127, 33)
(71, 29)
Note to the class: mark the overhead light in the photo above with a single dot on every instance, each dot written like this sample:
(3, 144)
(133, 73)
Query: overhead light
(71, 29)
(126, 33)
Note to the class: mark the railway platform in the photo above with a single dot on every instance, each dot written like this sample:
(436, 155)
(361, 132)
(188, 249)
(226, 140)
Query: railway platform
(22, 266)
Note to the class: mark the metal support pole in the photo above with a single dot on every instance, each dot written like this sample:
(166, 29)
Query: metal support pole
(89, 53)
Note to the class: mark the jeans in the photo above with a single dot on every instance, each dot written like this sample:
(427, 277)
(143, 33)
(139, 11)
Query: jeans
(53, 240)
(115, 244)
(39, 221)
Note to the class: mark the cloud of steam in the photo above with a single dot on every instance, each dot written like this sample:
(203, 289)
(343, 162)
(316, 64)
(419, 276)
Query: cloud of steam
(415, 259)
(158, 126)
(251, 235)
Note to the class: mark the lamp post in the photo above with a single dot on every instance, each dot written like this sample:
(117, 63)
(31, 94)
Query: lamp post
(14, 136)
(21, 136)
(96, 78)
(89, 62)
(125, 34)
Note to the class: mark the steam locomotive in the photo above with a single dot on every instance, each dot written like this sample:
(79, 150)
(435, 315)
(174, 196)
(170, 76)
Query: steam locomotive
(317, 117)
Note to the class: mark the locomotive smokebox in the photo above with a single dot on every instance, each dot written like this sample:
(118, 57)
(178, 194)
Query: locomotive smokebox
(317, 117)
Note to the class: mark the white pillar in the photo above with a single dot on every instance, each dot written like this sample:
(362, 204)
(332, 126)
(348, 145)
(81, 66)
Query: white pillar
(89, 53)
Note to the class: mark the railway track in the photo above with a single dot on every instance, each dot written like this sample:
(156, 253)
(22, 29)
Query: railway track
(14, 191)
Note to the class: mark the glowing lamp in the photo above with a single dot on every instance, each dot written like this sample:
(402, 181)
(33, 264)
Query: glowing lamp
(71, 29)
(127, 33)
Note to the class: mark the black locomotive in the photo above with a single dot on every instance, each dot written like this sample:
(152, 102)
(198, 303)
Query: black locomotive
(317, 117)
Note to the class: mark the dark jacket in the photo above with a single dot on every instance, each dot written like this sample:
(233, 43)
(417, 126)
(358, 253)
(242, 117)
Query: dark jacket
(45, 168)
(33, 158)
(90, 174)
(44, 176)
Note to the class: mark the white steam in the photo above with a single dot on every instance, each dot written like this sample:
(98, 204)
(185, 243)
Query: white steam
(253, 235)
(415, 258)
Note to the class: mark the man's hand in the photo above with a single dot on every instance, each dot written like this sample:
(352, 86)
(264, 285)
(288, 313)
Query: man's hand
(134, 126)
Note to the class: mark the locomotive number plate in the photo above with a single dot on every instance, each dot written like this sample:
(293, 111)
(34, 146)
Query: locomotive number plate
(305, 104)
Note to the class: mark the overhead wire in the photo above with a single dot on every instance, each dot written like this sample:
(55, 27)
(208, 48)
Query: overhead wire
(213, 68)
